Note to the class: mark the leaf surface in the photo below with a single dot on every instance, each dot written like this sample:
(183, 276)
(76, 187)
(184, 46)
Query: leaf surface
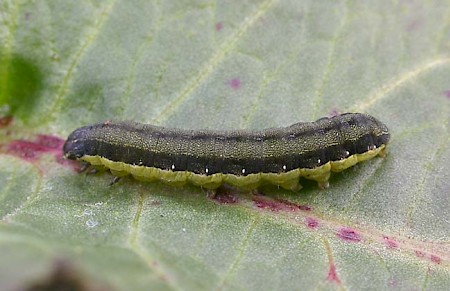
(224, 65)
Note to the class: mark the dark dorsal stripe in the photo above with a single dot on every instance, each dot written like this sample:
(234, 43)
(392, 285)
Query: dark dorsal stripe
(275, 150)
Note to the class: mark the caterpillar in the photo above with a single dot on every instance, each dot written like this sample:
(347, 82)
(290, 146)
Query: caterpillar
(241, 158)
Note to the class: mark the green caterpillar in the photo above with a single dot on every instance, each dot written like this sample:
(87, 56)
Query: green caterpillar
(240, 158)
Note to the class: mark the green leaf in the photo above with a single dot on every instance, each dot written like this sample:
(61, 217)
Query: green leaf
(382, 224)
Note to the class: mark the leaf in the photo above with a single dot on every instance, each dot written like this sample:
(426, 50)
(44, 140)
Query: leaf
(382, 224)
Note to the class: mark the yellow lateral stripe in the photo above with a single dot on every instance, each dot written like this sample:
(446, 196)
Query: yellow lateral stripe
(288, 180)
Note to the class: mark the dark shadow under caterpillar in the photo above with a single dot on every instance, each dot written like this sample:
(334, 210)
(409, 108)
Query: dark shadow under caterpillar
(242, 158)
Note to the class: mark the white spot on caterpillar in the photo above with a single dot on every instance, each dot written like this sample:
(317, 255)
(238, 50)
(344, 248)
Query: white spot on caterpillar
(243, 144)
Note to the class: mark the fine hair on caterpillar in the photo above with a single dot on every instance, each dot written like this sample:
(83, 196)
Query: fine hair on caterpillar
(241, 158)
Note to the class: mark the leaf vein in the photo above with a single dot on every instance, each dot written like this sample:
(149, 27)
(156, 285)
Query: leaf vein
(89, 40)
(213, 62)
(395, 83)
(240, 253)
(330, 61)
